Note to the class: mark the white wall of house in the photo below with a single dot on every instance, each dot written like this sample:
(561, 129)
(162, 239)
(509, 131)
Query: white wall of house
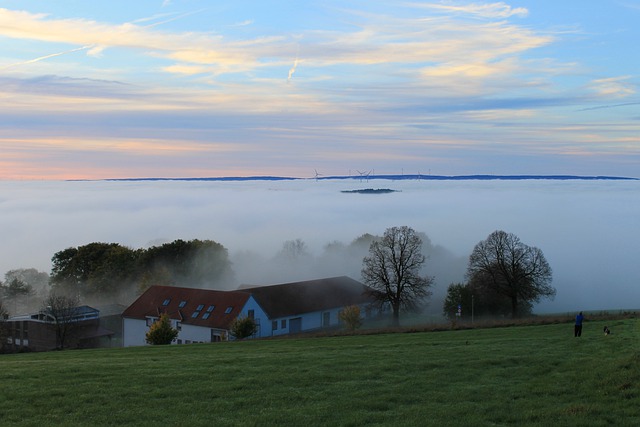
(133, 332)
(191, 334)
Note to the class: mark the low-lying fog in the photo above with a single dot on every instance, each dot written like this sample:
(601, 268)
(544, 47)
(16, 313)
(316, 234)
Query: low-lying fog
(587, 230)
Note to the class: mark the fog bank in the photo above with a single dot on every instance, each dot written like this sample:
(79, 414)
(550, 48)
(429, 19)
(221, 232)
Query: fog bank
(587, 229)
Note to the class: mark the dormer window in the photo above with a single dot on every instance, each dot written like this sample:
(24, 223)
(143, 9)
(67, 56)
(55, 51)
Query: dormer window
(166, 302)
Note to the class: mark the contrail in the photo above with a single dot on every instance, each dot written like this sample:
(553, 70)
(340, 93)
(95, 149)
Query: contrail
(293, 69)
(609, 106)
(31, 61)
(175, 18)
(41, 58)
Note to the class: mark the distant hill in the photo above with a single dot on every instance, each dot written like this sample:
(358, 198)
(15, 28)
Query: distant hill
(387, 177)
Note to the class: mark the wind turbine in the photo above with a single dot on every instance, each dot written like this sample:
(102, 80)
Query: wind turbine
(364, 174)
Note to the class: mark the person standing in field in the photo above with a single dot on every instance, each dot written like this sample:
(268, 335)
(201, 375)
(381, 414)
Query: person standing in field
(577, 330)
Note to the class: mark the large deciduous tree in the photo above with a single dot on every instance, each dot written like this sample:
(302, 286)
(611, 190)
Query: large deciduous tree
(110, 269)
(503, 264)
(393, 270)
(93, 269)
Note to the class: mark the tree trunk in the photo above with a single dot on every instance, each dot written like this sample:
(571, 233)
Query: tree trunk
(514, 307)
(396, 316)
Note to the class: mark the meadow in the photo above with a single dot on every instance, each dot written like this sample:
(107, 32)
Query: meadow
(520, 375)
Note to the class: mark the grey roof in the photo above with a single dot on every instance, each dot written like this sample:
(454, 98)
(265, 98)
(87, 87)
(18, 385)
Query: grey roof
(290, 299)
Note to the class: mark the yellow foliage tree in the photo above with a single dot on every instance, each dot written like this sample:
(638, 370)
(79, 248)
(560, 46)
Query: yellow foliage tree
(161, 332)
(350, 316)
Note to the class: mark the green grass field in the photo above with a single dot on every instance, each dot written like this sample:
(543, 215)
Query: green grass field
(520, 375)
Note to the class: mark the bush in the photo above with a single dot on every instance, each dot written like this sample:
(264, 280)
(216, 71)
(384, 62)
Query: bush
(161, 332)
(350, 316)
(243, 327)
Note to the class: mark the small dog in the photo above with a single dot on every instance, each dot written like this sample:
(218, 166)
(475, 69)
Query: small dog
(606, 330)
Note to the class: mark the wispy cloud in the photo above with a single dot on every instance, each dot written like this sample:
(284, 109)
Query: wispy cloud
(292, 69)
(613, 87)
(484, 10)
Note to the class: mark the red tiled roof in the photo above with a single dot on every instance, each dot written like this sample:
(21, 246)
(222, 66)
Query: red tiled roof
(150, 304)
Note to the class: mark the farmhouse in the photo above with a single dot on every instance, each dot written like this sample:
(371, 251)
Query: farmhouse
(204, 315)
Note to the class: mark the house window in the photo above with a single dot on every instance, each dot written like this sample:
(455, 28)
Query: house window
(179, 341)
(274, 325)
(215, 336)
(206, 315)
(283, 324)
(182, 304)
(228, 310)
(179, 326)
(251, 314)
(200, 307)
(326, 319)
(150, 321)
(195, 314)
(166, 302)
(210, 308)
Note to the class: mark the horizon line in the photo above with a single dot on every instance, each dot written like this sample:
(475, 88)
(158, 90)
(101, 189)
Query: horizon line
(393, 177)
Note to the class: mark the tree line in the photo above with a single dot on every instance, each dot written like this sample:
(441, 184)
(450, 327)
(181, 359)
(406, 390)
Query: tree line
(504, 276)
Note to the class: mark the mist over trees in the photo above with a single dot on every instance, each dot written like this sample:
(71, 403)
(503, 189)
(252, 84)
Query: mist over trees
(478, 301)
(100, 273)
(393, 270)
(23, 289)
(110, 270)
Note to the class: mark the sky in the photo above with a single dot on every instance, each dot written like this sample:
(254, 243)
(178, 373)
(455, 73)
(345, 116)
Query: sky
(194, 88)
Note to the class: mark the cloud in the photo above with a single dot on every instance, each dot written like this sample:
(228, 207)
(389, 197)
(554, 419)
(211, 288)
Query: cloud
(292, 69)
(613, 87)
(380, 40)
(483, 10)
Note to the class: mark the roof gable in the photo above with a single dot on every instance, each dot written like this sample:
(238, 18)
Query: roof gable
(289, 299)
(200, 307)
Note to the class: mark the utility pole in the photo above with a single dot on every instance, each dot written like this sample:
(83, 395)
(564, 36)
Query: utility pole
(471, 308)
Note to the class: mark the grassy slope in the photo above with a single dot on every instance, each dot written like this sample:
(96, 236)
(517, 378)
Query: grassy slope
(529, 375)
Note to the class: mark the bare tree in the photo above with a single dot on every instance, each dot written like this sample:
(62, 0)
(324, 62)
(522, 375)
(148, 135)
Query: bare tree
(61, 310)
(392, 270)
(294, 249)
(510, 268)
